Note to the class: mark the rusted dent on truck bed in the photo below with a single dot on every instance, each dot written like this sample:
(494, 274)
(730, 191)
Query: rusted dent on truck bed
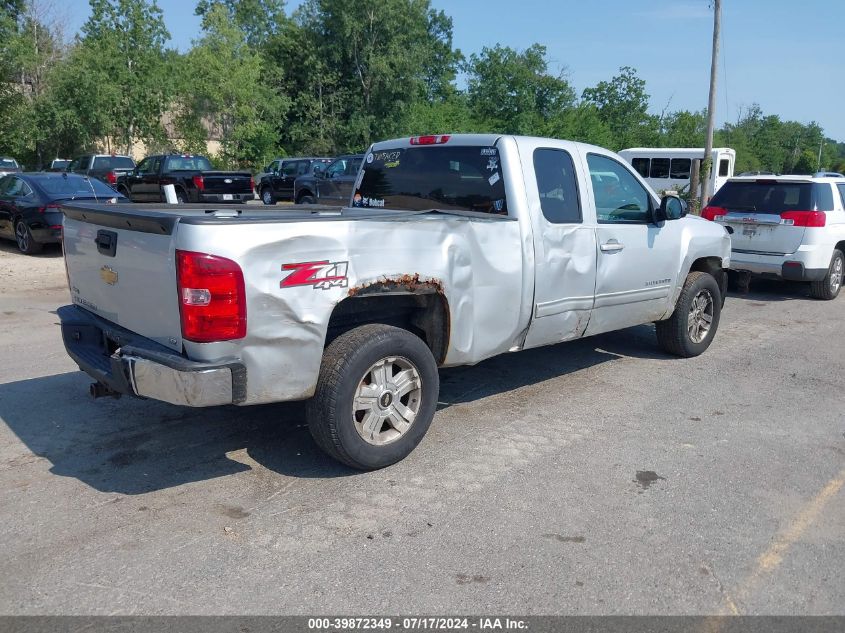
(411, 283)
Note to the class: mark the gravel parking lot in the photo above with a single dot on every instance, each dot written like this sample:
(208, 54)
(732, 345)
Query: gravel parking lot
(595, 477)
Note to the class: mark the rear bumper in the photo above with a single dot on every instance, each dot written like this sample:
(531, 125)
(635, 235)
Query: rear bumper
(221, 197)
(130, 364)
(809, 264)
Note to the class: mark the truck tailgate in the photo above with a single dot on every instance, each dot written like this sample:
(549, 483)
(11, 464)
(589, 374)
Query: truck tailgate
(121, 267)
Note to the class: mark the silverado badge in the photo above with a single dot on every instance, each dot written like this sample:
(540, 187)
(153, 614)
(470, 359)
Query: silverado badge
(108, 275)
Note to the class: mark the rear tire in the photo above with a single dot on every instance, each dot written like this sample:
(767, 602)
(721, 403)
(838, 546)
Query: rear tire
(26, 243)
(267, 196)
(829, 287)
(181, 197)
(376, 396)
(306, 200)
(693, 324)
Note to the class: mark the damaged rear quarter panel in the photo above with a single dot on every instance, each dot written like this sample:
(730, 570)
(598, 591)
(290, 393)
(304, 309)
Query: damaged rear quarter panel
(477, 263)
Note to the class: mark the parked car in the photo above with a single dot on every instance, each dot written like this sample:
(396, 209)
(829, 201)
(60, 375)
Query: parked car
(30, 209)
(456, 249)
(192, 176)
(787, 227)
(330, 185)
(9, 166)
(278, 184)
(59, 164)
(105, 167)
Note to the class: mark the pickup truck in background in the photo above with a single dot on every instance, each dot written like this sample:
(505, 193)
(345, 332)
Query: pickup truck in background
(454, 249)
(192, 176)
(107, 168)
(278, 182)
(330, 184)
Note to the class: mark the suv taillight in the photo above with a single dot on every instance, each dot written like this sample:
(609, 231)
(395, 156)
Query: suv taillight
(112, 178)
(251, 183)
(212, 298)
(803, 218)
(199, 182)
(711, 213)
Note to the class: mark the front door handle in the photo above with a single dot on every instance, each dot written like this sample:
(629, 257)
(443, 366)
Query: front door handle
(611, 246)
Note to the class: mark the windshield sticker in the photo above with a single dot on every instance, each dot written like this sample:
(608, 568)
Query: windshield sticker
(498, 205)
(361, 201)
(387, 156)
(493, 179)
(492, 164)
(489, 151)
(369, 158)
(392, 164)
(359, 179)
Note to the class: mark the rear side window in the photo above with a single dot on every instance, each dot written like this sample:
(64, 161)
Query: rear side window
(842, 194)
(557, 186)
(642, 166)
(449, 177)
(773, 197)
(289, 168)
(659, 167)
(680, 168)
(187, 163)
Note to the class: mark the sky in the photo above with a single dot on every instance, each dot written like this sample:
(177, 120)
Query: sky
(780, 54)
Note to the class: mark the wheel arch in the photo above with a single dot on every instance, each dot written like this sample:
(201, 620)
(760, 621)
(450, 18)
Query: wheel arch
(712, 265)
(418, 306)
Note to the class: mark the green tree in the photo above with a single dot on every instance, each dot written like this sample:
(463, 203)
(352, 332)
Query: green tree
(258, 19)
(122, 52)
(222, 90)
(512, 92)
(622, 104)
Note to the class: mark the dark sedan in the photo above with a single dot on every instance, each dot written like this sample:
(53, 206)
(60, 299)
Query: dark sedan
(30, 205)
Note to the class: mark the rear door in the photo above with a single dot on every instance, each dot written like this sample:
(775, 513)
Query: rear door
(283, 184)
(762, 214)
(564, 245)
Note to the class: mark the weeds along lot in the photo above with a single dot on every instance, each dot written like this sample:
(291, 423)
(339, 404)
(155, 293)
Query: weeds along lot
(598, 476)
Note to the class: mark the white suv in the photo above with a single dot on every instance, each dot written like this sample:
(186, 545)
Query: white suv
(790, 227)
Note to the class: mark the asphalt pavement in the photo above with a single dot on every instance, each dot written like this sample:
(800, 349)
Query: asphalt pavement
(593, 477)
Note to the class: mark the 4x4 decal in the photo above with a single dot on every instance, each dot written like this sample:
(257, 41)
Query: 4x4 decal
(321, 275)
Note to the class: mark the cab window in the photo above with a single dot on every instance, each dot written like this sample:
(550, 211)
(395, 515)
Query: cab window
(336, 168)
(557, 186)
(289, 168)
(620, 198)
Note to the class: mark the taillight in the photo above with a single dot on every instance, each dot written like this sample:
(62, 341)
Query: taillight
(199, 182)
(251, 182)
(112, 178)
(803, 218)
(712, 213)
(212, 299)
(430, 140)
(49, 207)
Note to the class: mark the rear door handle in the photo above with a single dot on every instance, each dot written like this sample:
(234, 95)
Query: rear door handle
(611, 246)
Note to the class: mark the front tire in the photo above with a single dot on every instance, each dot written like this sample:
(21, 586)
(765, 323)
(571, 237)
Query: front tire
(829, 287)
(693, 324)
(376, 396)
(26, 243)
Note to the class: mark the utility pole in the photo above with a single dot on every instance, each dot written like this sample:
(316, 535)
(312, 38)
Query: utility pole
(711, 106)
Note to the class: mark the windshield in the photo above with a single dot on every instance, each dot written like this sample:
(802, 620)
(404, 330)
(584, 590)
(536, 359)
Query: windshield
(8, 163)
(440, 177)
(73, 186)
(765, 196)
(188, 163)
(114, 162)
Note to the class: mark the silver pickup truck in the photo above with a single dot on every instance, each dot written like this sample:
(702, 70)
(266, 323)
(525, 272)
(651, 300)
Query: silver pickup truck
(452, 250)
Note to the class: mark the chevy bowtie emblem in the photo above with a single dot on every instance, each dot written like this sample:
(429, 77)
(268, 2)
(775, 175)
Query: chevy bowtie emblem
(228, 181)
(108, 275)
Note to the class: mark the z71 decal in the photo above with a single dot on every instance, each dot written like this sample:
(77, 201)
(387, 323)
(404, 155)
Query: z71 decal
(321, 275)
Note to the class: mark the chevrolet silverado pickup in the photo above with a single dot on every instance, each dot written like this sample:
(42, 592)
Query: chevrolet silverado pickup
(192, 177)
(452, 250)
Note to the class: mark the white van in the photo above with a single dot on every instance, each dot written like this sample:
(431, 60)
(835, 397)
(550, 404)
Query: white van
(669, 168)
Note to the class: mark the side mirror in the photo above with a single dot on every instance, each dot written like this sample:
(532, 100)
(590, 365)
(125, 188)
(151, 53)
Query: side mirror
(671, 208)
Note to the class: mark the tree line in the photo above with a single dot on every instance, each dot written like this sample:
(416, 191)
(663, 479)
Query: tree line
(330, 77)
